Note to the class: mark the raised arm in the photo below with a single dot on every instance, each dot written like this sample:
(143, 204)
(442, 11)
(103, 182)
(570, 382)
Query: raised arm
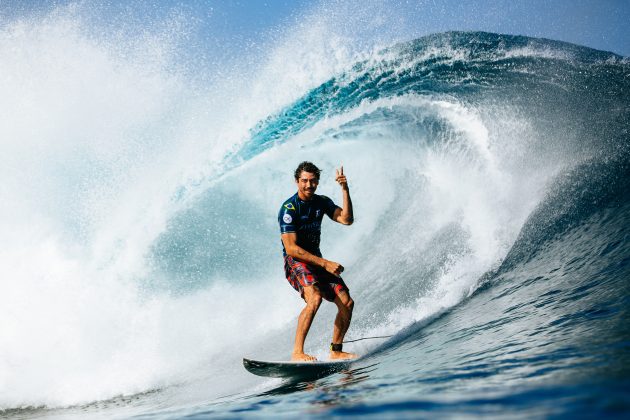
(289, 240)
(344, 215)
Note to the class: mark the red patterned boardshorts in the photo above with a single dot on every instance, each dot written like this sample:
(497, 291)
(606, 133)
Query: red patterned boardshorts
(300, 274)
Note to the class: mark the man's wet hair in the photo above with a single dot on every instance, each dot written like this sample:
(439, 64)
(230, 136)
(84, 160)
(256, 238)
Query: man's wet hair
(307, 167)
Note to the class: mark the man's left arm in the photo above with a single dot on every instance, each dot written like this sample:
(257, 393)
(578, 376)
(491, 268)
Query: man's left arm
(343, 215)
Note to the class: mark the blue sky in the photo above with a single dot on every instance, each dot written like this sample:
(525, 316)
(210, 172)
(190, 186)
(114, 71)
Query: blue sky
(601, 24)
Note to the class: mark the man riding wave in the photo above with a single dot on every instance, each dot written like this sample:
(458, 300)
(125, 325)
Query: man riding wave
(300, 219)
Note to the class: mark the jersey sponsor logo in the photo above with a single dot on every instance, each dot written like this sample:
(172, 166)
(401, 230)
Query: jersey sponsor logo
(287, 218)
(315, 226)
(289, 206)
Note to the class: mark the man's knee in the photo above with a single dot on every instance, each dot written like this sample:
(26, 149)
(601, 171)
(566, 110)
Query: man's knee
(315, 301)
(348, 305)
(345, 303)
(313, 297)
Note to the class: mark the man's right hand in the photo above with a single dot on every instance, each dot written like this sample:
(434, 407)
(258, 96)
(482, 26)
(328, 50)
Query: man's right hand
(333, 267)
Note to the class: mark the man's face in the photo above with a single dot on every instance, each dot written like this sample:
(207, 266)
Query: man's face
(307, 184)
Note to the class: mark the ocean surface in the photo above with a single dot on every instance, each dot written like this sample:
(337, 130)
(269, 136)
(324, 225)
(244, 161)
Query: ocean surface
(141, 256)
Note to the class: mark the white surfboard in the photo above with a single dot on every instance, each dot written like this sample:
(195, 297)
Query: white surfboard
(296, 370)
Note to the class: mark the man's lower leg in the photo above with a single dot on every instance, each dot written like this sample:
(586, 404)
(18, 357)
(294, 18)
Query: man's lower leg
(342, 323)
(313, 300)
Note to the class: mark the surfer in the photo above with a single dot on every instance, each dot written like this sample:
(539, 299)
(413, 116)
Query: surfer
(300, 219)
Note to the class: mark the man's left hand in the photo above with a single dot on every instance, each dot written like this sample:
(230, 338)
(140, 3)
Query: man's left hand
(341, 178)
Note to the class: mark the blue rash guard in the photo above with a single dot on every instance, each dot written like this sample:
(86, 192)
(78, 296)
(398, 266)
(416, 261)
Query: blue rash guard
(305, 219)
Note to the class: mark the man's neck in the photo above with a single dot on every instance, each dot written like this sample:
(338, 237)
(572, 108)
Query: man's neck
(301, 197)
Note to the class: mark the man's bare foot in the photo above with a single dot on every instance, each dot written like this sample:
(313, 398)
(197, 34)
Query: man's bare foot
(302, 357)
(342, 355)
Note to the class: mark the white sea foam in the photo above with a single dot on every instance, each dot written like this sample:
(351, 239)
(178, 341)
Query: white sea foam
(97, 136)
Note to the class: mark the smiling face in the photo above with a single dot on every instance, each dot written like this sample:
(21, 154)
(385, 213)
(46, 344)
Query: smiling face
(307, 185)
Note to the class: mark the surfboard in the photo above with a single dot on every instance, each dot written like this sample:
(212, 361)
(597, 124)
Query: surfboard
(295, 370)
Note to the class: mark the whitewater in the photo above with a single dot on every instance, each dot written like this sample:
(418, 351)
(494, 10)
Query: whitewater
(140, 253)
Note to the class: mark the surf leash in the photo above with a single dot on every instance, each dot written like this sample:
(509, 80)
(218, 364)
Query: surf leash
(367, 338)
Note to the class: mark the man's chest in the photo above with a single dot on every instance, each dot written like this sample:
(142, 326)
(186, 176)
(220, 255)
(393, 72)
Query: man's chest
(310, 218)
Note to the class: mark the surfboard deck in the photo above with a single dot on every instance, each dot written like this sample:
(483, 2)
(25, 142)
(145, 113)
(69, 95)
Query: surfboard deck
(295, 370)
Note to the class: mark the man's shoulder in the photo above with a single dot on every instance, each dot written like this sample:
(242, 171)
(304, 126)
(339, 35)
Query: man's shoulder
(289, 203)
(323, 200)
